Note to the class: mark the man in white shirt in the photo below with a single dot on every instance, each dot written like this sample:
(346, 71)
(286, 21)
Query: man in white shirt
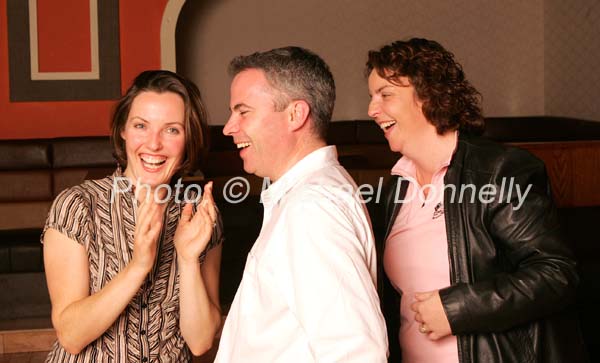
(308, 290)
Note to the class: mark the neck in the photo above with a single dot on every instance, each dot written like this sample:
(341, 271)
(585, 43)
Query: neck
(299, 149)
(432, 151)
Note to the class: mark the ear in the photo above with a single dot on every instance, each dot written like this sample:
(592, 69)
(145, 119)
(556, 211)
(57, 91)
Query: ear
(298, 114)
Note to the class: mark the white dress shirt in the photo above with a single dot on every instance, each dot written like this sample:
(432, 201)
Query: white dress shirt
(308, 289)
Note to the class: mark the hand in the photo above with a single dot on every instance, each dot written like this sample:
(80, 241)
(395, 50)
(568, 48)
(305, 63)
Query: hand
(194, 232)
(430, 315)
(148, 225)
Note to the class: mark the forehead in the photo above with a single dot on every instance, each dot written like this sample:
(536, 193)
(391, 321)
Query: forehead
(377, 83)
(164, 106)
(250, 83)
(151, 98)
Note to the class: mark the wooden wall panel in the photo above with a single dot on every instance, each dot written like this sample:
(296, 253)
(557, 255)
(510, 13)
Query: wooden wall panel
(573, 168)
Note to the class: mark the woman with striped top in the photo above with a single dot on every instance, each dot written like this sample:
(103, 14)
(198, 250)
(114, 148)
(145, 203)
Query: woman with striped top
(132, 266)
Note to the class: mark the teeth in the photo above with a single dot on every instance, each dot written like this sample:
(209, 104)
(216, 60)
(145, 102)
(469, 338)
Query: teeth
(242, 145)
(153, 160)
(386, 125)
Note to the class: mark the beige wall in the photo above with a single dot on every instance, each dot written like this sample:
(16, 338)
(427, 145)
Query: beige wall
(499, 43)
(572, 58)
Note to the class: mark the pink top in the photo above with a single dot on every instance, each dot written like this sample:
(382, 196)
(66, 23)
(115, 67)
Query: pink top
(416, 260)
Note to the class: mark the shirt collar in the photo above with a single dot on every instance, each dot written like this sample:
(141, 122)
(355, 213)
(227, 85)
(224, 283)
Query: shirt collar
(324, 156)
(406, 167)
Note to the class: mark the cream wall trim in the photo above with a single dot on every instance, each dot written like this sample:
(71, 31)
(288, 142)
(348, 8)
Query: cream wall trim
(33, 46)
(167, 34)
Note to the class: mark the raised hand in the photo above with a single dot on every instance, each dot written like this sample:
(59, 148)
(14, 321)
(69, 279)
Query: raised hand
(194, 231)
(149, 222)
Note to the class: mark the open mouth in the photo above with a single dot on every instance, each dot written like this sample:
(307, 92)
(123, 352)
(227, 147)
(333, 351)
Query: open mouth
(387, 125)
(242, 145)
(153, 162)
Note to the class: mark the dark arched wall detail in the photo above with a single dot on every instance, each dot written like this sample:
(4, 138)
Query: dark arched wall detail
(105, 85)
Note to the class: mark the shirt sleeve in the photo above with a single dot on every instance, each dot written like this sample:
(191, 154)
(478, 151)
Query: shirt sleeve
(70, 215)
(329, 284)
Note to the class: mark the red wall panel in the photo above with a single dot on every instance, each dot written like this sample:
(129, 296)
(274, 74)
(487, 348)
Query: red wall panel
(64, 41)
(139, 48)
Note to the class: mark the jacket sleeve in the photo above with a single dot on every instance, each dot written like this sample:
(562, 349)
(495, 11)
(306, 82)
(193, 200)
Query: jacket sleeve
(537, 275)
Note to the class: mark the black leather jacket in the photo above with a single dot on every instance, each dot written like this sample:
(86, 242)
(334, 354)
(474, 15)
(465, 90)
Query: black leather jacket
(513, 278)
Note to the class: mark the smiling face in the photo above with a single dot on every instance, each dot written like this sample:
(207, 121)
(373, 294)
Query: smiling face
(154, 137)
(260, 132)
(397, 109)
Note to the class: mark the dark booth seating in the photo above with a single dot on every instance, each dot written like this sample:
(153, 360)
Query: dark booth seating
(33, 172)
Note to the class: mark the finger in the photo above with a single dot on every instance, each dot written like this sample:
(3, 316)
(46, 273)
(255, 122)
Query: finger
(155, 225)
(153, 216)
(415, 306)
(211, 212)
(207, 194)
(143, 216)
(419, 318)
(207, 224)
(186, 213)
(420, 296)
(210, 206)
(202, 216)
(433, 336)
(208, 190)
(145, 208)
(155, 229)
(161, 194)
(141, 209)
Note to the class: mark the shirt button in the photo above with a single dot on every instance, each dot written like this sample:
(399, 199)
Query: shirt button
(142, 332)
(144, 359)
(144, 305)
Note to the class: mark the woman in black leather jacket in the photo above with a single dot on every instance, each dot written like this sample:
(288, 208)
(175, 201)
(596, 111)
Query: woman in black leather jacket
(491, 281)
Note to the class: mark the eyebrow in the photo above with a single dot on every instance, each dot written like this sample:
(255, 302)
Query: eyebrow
(238, 106)
(146, 121)
(378, 90)
(383, 87)
(137, 117)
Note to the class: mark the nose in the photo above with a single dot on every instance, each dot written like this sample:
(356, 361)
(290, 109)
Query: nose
(155, 141)
(232, 126)
(373, 110)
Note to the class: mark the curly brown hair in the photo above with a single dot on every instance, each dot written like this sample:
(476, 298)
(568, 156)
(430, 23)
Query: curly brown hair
(450, 102)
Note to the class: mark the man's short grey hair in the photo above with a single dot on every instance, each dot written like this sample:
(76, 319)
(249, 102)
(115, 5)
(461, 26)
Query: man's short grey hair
(295, 73)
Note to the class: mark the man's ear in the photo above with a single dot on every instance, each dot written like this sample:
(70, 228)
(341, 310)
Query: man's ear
(298, 114)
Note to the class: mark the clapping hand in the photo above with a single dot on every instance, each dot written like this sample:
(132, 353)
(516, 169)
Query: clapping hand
(149, 222)
(195, 230)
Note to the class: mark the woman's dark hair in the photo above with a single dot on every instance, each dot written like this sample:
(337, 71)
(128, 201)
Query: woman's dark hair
(195, 122)
(450, 102)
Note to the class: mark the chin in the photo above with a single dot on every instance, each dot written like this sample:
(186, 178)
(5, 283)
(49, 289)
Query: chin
(154, 180)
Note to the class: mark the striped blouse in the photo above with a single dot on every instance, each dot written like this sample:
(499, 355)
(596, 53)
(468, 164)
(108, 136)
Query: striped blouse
(101, 217)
